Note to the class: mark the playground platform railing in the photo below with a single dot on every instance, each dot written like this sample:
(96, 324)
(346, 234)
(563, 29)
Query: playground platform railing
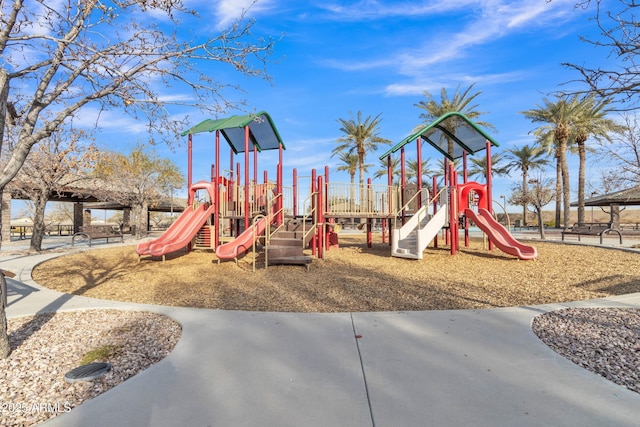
(232, 199)
(422, 198)
(355, 200)
(341, 200)
(309, 216)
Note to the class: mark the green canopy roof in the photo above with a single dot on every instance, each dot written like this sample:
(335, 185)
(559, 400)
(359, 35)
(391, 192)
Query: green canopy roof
(455, 127)
(262, 131)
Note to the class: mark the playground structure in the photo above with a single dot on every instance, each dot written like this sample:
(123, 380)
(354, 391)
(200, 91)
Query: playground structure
(233, 210)
(455, 137)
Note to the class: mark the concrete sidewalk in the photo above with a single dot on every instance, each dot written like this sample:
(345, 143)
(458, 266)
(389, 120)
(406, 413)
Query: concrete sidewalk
(440, 368)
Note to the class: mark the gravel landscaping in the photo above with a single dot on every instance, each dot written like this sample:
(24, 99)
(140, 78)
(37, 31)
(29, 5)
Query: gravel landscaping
(605, 341)
(47, 346)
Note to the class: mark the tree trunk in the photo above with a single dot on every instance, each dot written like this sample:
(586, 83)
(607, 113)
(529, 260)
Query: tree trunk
(4, 94)
(39, 227)
(566, 185)
(140, 219)
(524, 196)
(615, 216)
(540, 223)
(5, 348)
(361, 155)
(558, 191)
(352, 198)
(582, 154)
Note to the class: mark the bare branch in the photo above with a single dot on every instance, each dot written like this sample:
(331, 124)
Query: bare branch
(62, 56)
(619, 34)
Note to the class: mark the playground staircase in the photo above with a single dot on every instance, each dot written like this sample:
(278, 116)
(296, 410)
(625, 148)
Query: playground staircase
(286, 246)
(412, 238)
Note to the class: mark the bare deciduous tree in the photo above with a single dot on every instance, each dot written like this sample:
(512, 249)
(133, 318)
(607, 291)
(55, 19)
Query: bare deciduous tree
(137, 180)
(540, 194)
(58, 57)
(58, 162)
(62, 56)
(623, 152)
(618, 33)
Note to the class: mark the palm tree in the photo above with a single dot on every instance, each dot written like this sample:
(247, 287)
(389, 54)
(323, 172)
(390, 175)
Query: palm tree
(349, 164)
(359, 138)
(412, 170)
(443, 167)
(526, 159)
(460, 102)
(384, 170)
(479, 166)
(548, 142)
(591, 122)
(558, 117)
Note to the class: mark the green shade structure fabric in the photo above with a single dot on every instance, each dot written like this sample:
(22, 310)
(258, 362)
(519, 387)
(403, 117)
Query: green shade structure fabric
(455, 127)
(262, 131)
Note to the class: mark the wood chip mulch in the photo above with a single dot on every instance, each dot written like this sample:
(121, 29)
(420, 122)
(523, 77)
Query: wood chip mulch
(352, 278)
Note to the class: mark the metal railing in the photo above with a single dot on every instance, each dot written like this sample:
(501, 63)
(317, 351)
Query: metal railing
(268, 233)
(368, 200)
(232, 199)
(441, 196)
(310, 214)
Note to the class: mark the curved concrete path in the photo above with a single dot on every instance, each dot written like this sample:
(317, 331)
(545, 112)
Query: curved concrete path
(432, 368)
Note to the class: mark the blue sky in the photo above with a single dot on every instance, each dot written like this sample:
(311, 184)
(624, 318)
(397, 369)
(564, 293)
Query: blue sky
(378, 57)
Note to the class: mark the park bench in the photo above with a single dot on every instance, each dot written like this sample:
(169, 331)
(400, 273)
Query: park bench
(591, 229)
(92, 232)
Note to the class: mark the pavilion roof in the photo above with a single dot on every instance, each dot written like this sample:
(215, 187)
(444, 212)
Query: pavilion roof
(626, 197)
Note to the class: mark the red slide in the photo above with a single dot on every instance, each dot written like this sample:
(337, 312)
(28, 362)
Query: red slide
(243, 242)
(180, 233)
(500, 235)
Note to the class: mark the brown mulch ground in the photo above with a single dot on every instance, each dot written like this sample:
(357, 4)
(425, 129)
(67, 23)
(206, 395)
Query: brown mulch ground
(351, 278)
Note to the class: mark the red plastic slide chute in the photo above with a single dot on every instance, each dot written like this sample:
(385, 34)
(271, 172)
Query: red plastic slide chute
(242, 243)
(182, 231)
(500, 235)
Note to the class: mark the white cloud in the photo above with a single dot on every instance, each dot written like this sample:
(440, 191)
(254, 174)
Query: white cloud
(516, 12)
(485, 21)
(419, 85)
(494, 19)
(365, 10)
(228, 11)
(108, 120)
(497, 19)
